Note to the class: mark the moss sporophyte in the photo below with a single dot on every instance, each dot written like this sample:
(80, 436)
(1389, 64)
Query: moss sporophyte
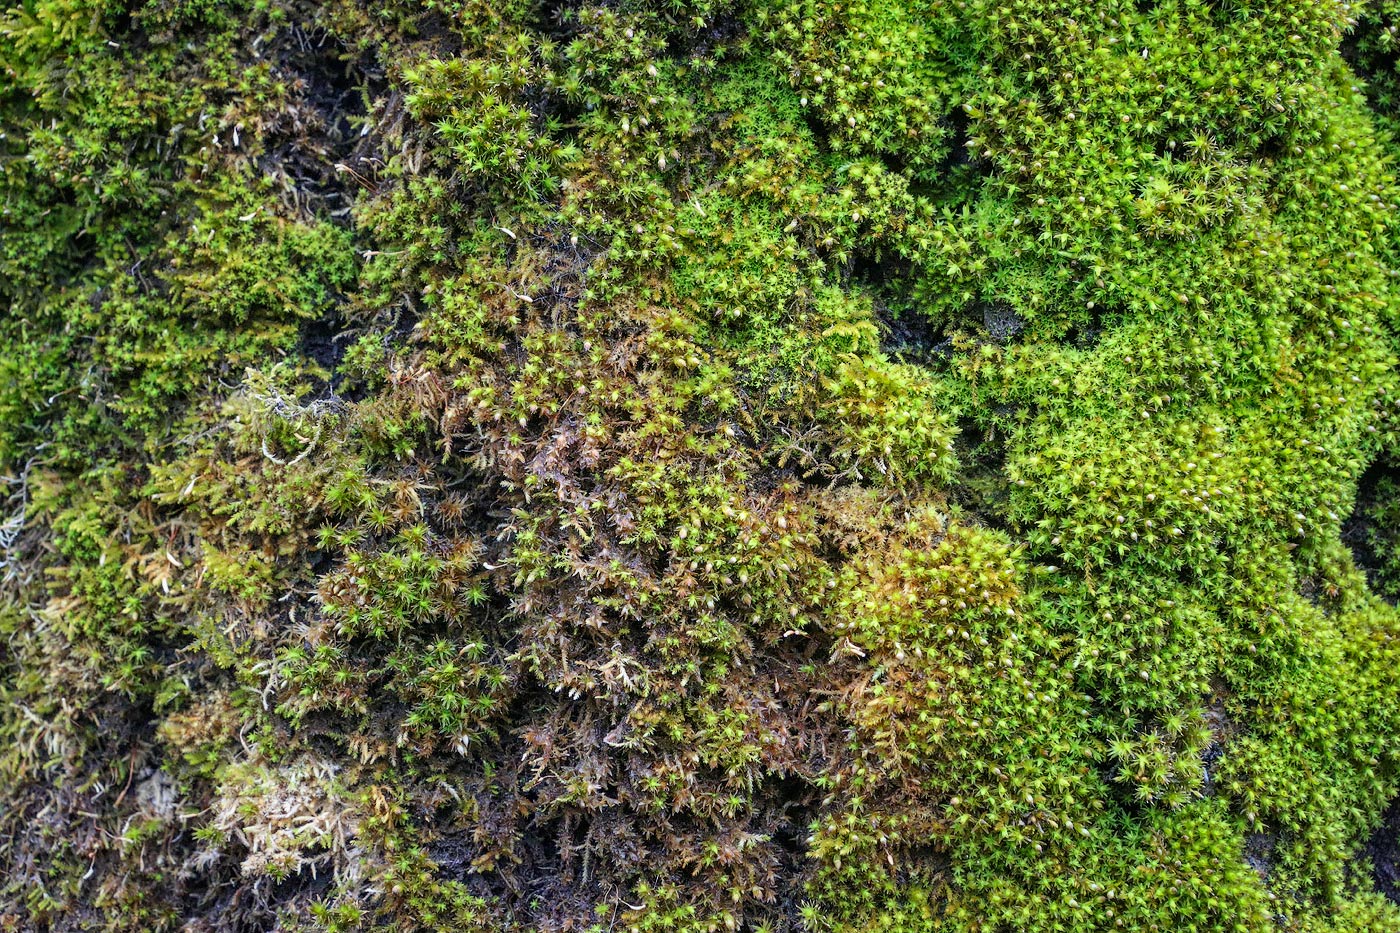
(875, 465)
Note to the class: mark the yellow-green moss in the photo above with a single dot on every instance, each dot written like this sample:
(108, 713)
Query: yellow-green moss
(878, 465)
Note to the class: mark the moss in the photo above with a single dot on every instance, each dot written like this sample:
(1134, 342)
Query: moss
(695, 466)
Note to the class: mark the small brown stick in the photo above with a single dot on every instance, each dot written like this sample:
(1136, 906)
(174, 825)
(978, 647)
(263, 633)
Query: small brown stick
(130, 773)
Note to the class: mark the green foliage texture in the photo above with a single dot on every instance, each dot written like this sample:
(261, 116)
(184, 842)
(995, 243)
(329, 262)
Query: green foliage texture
(917, 466)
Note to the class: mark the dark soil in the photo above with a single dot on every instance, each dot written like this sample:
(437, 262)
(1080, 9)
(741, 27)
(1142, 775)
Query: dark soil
(1383, 849)
(1358, 528)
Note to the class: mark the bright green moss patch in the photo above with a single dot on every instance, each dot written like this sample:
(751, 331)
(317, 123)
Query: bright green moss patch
(697, 467)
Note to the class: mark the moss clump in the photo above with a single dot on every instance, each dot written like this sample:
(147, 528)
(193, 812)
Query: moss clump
(694, 467)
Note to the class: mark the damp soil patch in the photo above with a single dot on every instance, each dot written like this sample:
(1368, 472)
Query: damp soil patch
(1383, 849)
(1371, 525)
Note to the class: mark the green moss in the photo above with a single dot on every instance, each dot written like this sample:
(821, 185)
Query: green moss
(695, 467)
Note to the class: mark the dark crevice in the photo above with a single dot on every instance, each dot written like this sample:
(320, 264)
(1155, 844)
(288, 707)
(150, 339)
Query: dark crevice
(702, 42)
(435, 33)
(955, 128)
(959, 177)
(1366, 530)
(1002, 323)
(319, 343)
(1359, 56)
(557, 20)
(317, 142)
(912, 338)
(1258, 852)
(983, 489)
(1085, 334)
(819, 131)
(905, 334)
(1383, 849)
(961, 174)
(797, 810)
(325, 143)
